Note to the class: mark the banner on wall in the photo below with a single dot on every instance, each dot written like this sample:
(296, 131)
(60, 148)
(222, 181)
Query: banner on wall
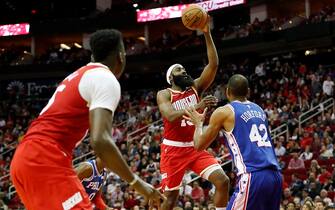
(14, 29)
(42, 88)
(175, 11)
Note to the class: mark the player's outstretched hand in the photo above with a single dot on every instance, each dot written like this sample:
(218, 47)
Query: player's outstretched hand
(207, 27)
(207, 101)
(151, 195)
(195, 116)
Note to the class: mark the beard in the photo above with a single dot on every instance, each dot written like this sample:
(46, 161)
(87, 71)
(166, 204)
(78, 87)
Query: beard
(183, 81)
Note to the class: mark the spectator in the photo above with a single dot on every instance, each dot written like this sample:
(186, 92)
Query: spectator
(324, 195)
(296, 185)
(308, 205)
(316, 145)
(185, 190)
(297, 202)
(306, 140)
(129, 201)
(287, 196)
(295, 162)
(117, 195)
(197, 192)
(315, 166)
(319, 205)
(279, 149)
(324, 176)
(327, 149)
(315, 85)
(312, 185)
(188, 206)
(307, 154)
(259, 70)
(328, 86)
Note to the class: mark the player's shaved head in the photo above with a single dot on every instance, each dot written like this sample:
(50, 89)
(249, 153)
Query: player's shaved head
(238, 85)
(105, 42)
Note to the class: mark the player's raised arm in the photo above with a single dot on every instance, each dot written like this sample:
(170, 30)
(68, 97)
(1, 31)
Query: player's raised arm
(221, 118)
(208, 74)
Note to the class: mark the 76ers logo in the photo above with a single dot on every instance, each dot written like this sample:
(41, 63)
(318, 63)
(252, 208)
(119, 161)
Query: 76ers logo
(93, 185)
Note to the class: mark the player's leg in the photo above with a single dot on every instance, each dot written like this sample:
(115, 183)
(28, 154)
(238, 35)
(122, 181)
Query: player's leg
(275, 182)
(240, 197)
(173, 165)
(171, 199)
(221, 182)
(208, 168)
(265, 190)
(171, 183)
(259, 190)
(45, 179)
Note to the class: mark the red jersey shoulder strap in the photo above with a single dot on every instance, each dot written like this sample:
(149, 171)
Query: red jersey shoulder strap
(196, 92)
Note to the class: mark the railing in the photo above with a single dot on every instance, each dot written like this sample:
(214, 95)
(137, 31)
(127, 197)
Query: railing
(139, 133)
(4, 177)
(120, 124)
(125, 121)
(10, 148)
(327, 104)
(82, 158)
(11, 191)
(279, 131)
(321, 108)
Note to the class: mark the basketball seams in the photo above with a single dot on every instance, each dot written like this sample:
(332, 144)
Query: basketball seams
(188, 20)
(196, 17)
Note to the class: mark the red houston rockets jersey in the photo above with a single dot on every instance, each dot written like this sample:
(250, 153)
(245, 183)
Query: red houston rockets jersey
(65, 119)
(181, 129)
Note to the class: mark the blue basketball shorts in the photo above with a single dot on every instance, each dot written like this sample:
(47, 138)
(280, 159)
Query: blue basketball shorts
(259, 190)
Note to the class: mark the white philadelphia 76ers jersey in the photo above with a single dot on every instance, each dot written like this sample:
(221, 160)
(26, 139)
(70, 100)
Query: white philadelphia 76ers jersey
(250, 143)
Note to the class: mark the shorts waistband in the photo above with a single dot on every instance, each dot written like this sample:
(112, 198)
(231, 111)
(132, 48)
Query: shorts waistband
(178, 143)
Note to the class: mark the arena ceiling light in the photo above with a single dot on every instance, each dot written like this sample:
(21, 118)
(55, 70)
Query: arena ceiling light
(310, 52)
(65, 47)
(141, 38)
(77, 45)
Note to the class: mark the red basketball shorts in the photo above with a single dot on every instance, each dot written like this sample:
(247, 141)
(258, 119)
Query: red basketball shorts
(175, 160)
(44, 178)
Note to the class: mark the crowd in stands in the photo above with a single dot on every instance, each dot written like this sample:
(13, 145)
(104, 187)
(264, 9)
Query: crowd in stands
(326, 14)
(16, 55)
(284, 87)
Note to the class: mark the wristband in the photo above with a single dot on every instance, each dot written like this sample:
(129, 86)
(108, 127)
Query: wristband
(134, 180)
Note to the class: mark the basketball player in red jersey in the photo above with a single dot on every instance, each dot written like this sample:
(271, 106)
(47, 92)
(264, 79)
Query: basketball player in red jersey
(41, 169)
(177, 150)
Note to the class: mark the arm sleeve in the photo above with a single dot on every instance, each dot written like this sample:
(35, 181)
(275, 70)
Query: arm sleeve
(100, 89)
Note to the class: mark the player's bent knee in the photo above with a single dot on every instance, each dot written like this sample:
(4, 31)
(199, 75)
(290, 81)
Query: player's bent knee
(219, 179)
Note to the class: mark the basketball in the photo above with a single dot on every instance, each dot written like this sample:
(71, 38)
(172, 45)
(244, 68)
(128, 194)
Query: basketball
(194, 17)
